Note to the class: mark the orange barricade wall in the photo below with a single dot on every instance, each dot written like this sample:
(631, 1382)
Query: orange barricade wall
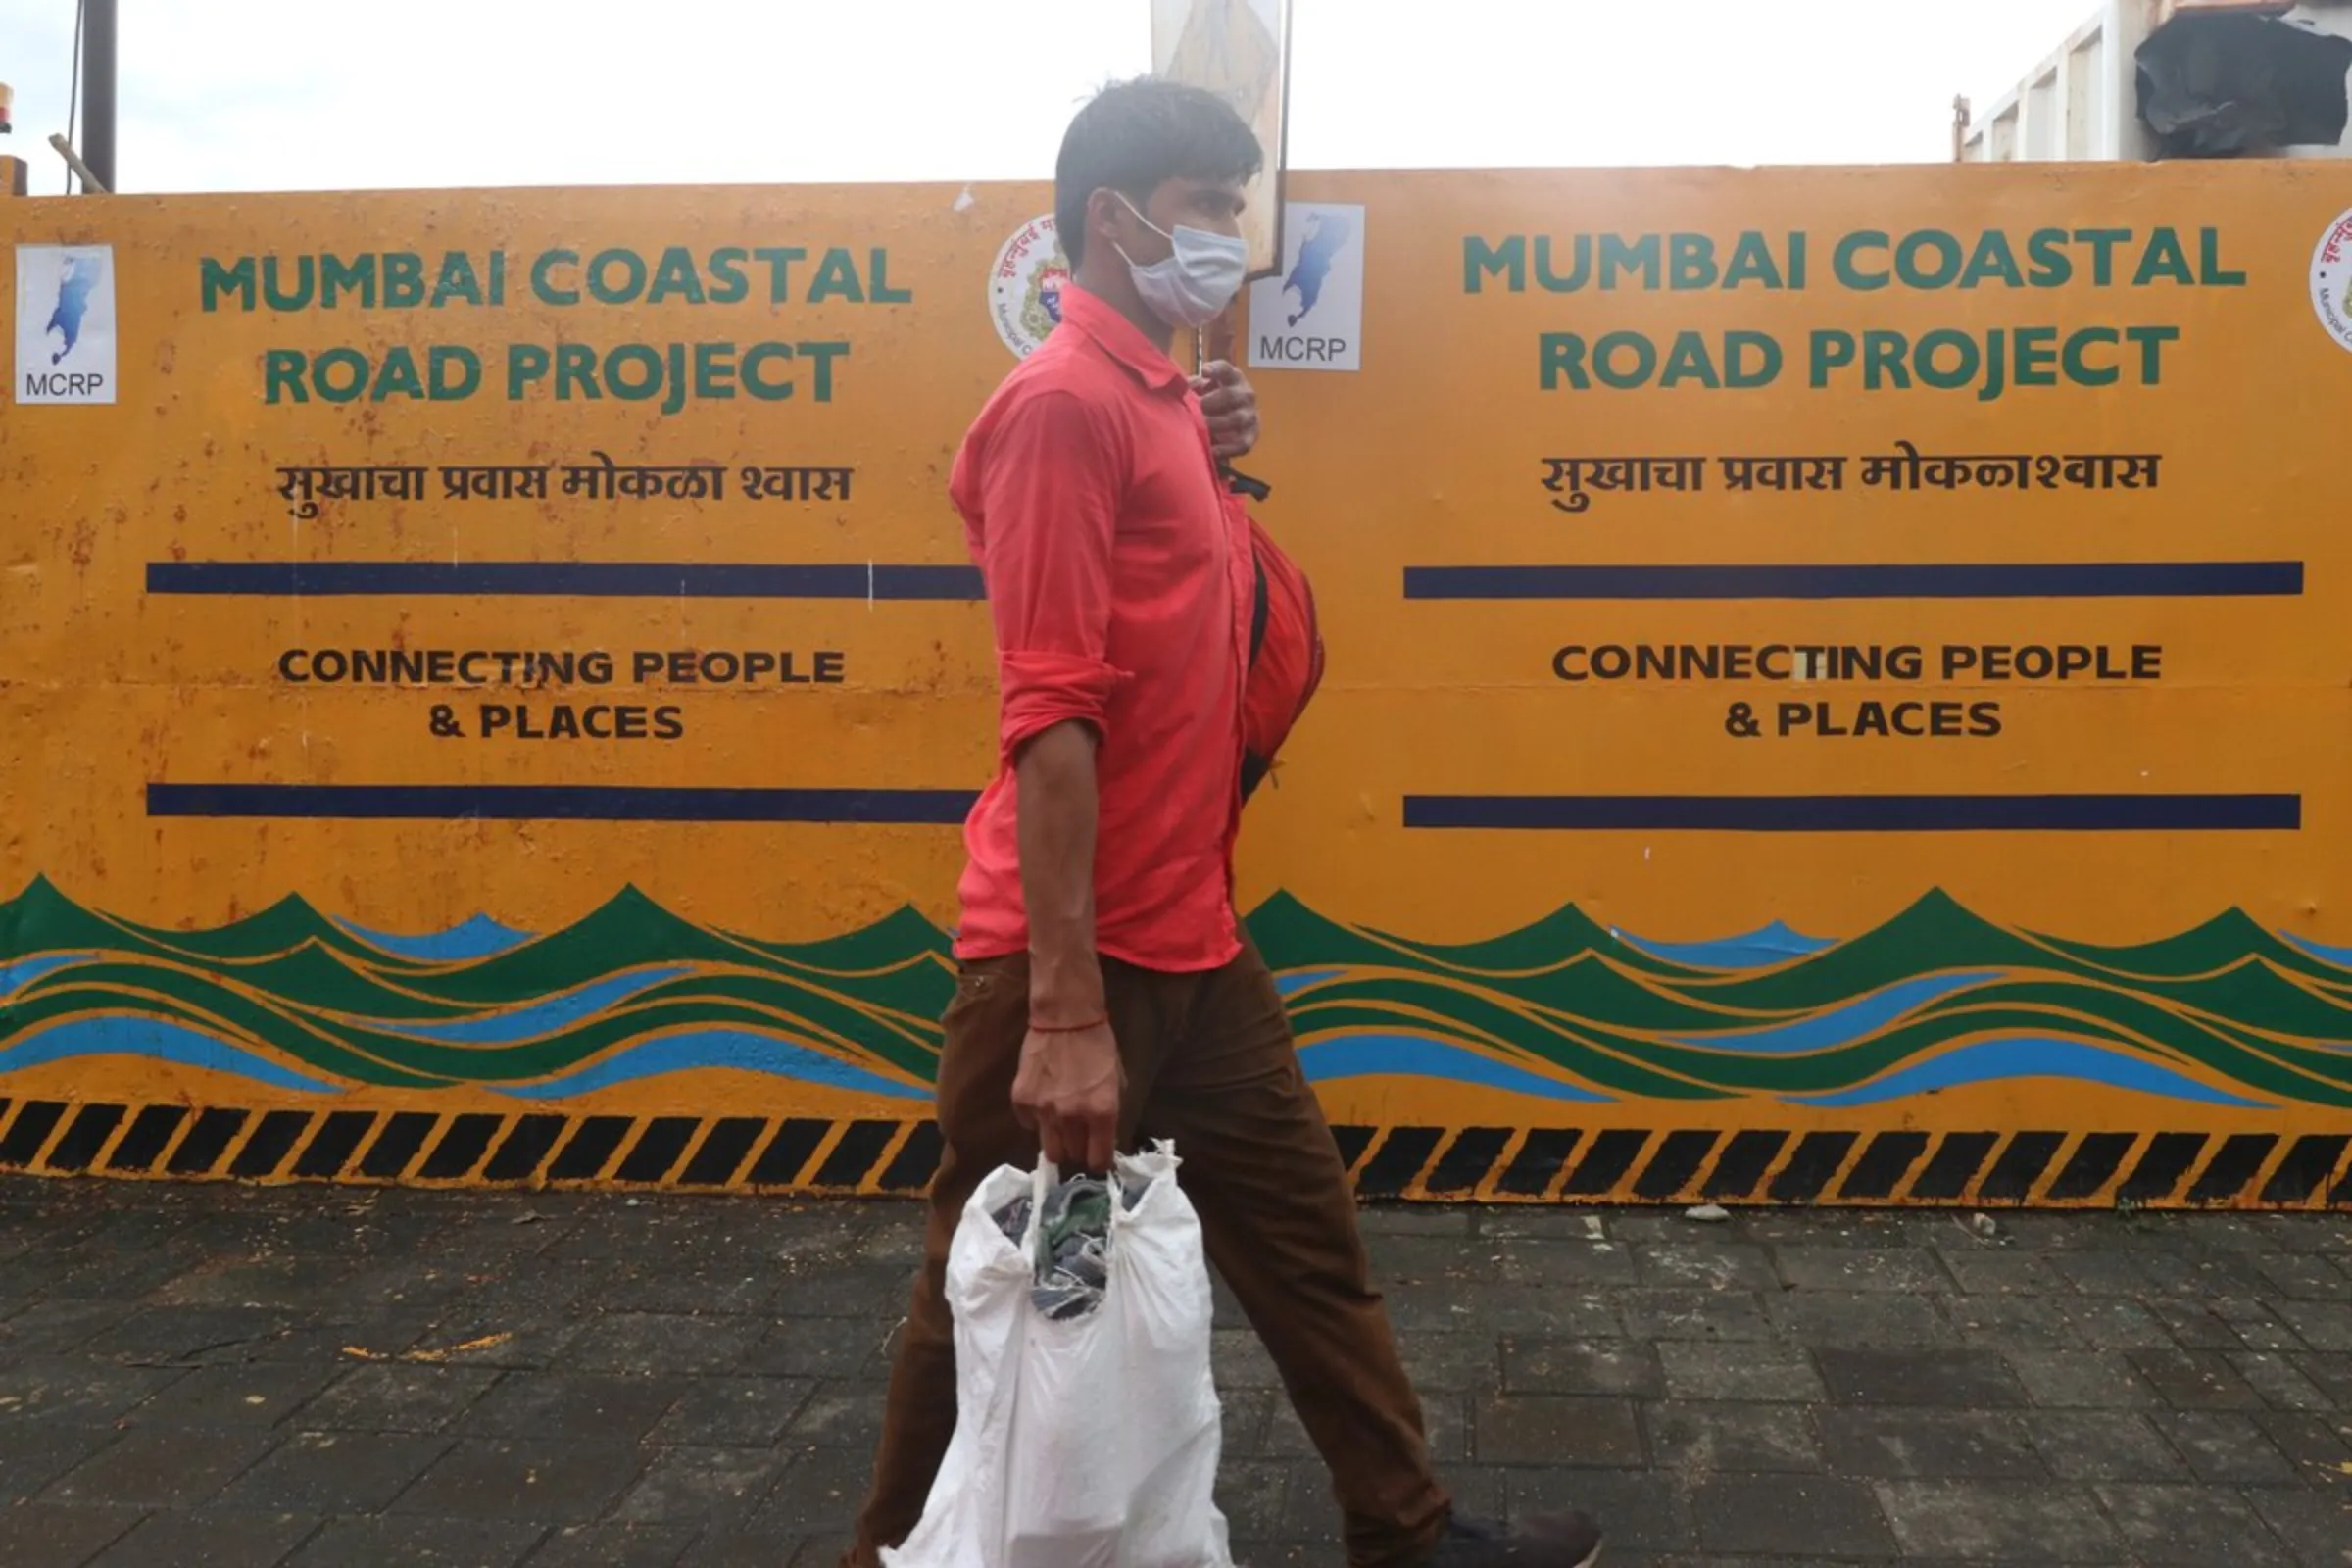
(1838, 680)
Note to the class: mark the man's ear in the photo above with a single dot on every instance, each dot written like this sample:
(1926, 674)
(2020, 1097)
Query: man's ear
(1105, 220)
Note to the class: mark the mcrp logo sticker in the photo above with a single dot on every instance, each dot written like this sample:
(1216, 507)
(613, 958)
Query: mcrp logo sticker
(1024, 288)
(2331, 280)
(65, 324)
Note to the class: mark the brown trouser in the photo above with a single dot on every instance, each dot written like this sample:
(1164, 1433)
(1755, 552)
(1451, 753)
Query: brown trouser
(1210, 1065)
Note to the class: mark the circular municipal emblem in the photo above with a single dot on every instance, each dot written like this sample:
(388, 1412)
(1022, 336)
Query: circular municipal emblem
(1024, 288)
(2331, 280)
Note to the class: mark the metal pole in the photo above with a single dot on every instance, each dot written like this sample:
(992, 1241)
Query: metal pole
(98, 37)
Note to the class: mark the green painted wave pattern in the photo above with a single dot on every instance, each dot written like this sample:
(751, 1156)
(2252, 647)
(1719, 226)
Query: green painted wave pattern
(1936, 996)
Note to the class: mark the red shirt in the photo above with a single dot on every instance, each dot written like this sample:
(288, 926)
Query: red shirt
(1119, 581)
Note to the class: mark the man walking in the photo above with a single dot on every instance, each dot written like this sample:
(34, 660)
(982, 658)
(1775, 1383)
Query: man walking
(1107, 993)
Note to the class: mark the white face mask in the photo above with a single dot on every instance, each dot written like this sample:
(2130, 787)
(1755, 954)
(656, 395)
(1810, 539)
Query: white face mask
(1192, 287)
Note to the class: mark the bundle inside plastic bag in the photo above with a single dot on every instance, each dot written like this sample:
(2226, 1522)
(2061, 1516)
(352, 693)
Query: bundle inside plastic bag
(1072, 1240)
(1087, 1429)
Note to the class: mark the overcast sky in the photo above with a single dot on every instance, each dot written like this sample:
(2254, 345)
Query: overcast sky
(319, 94)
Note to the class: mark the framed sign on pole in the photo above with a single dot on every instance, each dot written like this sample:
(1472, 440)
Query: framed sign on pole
(1241, 51)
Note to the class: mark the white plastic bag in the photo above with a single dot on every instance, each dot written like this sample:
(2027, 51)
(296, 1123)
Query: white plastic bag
(1086, 1443)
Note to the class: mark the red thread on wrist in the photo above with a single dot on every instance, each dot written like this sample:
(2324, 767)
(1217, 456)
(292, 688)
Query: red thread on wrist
(1037, 1028)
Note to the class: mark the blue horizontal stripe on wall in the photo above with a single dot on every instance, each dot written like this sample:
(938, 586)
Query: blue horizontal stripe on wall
(2138, 579)
(525, 802)
(1860, 814)
(584, 579)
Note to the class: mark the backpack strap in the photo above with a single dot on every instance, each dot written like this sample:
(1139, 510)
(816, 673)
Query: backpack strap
(1255, 771)
(1241, 484)
(1261, 610)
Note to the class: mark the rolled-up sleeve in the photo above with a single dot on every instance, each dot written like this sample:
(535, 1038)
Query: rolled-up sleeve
(1048, 503)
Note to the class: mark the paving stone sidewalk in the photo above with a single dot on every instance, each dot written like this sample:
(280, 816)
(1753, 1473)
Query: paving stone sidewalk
(327, 1378)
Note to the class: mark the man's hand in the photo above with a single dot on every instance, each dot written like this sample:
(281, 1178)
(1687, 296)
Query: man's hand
(1068, 1091)
(1230, 404)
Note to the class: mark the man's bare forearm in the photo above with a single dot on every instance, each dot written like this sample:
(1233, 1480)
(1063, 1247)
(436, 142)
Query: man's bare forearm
(1059, 809)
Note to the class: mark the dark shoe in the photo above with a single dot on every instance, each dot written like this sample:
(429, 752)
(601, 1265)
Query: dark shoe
(1545, 1541)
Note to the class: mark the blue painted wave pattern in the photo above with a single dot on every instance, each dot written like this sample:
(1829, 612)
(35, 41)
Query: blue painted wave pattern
(1565, 1011)
(2227, 1014)
(298, 1002)
(479, 937)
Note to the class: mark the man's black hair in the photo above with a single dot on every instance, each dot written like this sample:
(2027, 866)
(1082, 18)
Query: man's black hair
(1136, 135)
